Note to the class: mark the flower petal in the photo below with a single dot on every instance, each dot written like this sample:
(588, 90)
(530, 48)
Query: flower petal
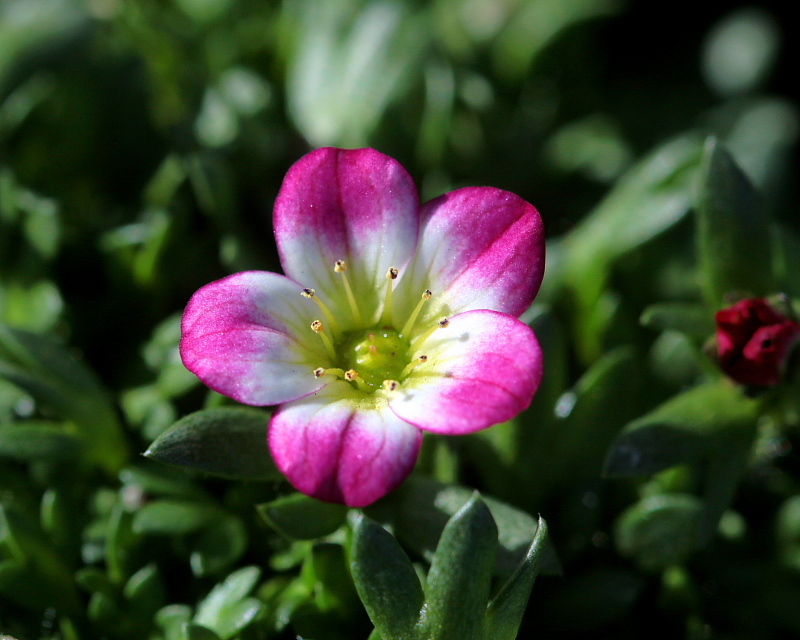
(479, 248)
(482, 369)
(333, 447)
(355, 205)
(248, 336)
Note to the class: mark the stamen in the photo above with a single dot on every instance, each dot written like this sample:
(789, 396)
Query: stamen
(444, 322)
(391, 275)
(351, 375)
(390, 385)
(322, 371)
(312, 295)
(426, 295)
(319, 328)
(340, 266)
(413, 365)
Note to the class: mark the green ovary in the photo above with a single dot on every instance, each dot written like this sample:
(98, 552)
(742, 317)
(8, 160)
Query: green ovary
(377, 354)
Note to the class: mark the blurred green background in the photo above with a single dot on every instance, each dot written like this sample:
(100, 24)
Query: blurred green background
(142, 144)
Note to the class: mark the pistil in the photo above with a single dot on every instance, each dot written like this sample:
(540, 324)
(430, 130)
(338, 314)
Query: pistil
(340, 266)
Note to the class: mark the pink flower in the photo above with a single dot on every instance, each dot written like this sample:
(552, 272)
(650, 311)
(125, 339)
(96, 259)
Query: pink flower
(754, 341)
(392, 319)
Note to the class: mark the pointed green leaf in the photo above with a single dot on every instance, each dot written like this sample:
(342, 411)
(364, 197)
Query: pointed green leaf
(419, 510)
(172, 619)
(226, 441)
(174, 517)
(386, 582)
(145, 592)
(694, 320)
(457, 590)
(235, 588)
(38, 441)
(196, 632)
(506, 610)
(651, 197)
(681, 430)
(219, 546)
(733, 230)
(54, 377)
(660, 530)
(300, 517)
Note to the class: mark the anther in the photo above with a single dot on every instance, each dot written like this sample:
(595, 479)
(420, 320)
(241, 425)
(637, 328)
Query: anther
(441, 324)
(318, 328)
(351, 375)
(409, 325)
(311, 294)
(340, 266)
(322, 371)
(390, 385)
(413, 365)
(386, 316)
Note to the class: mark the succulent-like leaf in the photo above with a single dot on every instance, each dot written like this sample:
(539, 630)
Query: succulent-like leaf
(457, 589)
(505, 612)
(226, 441)
(300, 517)
(733, 230)
(386, 582)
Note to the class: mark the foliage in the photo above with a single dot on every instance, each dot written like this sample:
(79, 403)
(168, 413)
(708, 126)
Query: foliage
(141, 146)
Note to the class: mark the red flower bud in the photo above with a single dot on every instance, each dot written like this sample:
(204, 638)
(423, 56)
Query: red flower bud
(754, 341)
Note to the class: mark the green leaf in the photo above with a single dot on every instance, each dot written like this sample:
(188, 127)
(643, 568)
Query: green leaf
(347, 67)
(457, 589)
(225, 441)
(172, 619)
(649, 198)
(196, 632)
(145, 592)
(386, 581)
(680, 430)
(54, 377)
(235, 588)
(219, 547)
(786, 250)
(300, 517)
(419, 510)
(505, 612)
(660, 530)
(21, 535)
(694, 320)
(236, 617)
(733, 230)
(38, 441)
(174, 517)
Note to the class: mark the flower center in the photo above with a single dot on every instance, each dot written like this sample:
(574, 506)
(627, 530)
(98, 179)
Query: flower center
(376, 354)
(376, 358)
